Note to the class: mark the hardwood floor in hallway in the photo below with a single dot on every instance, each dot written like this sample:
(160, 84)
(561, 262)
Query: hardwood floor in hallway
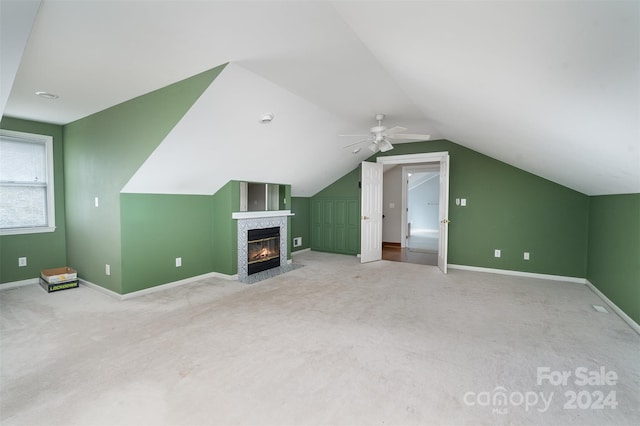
(397, 254)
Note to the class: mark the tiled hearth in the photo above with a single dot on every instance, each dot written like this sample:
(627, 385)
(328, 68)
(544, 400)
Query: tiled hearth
(261, 220)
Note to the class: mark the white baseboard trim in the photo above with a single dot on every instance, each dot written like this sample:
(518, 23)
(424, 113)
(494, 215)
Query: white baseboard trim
(300, 251)
(101, 289)
(159, 287)
(626, 318)
(15, 284)
(519, 273)
(178, 283)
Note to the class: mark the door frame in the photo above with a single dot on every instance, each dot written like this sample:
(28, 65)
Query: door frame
(441, 157)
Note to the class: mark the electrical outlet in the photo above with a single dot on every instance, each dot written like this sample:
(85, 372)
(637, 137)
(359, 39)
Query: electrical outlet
(526, 255)
(178, 262)
(297, 242)
(497, 253)
(22, 261)
(107, 269)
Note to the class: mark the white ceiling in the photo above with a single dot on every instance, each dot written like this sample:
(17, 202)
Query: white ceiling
(550, 87)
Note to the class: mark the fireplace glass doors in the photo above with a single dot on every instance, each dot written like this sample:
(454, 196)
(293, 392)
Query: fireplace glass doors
(263, 249)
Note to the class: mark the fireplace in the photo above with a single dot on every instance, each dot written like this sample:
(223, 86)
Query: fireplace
(263, 249)
(260, 221)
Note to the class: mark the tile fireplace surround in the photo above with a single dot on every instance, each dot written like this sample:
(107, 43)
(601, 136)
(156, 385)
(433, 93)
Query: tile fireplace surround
(259, 220)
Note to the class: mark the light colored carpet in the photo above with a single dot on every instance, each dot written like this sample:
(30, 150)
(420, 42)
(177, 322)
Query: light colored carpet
(334, 342)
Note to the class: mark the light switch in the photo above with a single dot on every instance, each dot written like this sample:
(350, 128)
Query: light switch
(463, 202)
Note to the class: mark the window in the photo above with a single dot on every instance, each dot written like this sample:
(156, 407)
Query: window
(26, 183)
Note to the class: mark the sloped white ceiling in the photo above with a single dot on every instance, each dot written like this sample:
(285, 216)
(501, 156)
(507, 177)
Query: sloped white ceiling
(221, 138)
(16, 20)
(550, 87)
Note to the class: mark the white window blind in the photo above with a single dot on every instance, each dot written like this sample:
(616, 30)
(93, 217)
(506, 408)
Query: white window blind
(26, 183)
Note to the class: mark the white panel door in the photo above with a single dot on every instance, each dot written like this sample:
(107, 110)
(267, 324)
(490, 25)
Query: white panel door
(444, 214)
(371, 208)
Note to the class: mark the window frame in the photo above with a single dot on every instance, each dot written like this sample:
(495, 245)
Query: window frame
(50, 207)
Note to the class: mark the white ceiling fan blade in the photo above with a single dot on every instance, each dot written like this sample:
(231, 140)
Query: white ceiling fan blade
(359, 136)
(380, 137)
(395, 129)
(356, 143)
(412, 136)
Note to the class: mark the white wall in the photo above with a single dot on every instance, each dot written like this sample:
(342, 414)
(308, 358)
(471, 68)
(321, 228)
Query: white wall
(392, 222)
(423, 202)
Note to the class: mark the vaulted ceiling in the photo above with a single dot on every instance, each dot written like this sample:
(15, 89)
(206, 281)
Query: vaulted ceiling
(549, 87)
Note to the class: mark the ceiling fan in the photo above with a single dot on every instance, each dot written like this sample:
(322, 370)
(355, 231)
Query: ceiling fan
(380, 137)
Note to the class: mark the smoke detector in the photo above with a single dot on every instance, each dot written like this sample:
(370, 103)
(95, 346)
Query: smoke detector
(266, 118)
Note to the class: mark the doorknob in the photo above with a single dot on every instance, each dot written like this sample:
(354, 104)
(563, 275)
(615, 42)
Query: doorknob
(445, 221)
(365, 217)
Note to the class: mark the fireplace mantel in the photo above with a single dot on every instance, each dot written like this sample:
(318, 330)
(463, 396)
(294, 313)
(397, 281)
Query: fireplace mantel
(261, 214)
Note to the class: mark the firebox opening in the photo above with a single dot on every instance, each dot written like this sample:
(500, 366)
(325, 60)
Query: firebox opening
(263, 249)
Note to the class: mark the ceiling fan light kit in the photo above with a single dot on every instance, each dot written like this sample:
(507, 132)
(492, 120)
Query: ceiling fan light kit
(385, 145)
(378, 137)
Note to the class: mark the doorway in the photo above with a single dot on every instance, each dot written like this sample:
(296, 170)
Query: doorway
(440, 158)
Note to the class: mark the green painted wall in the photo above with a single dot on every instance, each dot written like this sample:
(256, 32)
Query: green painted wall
(346, 187)
(614, 250)
(514, 211)
(285, 203)
(225, 229)
(45, 250)
(156, 229)
(507, 209)
(102, 152)
(300, 223)
(335, 216)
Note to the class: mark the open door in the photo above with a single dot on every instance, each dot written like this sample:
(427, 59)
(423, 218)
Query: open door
(443, 210)
(444, 213)
(371, 208)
